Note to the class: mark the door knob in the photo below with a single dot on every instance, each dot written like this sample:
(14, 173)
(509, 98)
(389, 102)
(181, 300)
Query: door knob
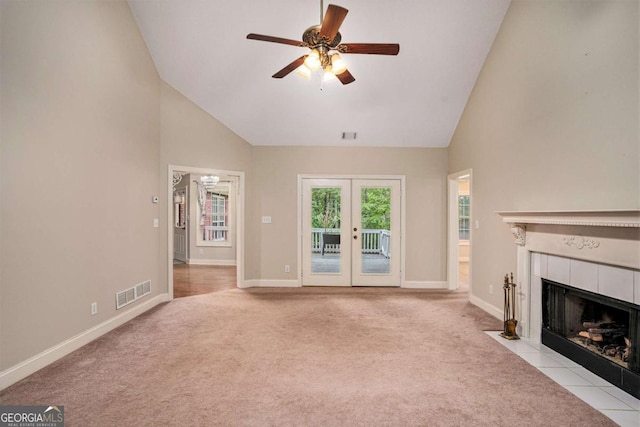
(355, 237)
(355, 229)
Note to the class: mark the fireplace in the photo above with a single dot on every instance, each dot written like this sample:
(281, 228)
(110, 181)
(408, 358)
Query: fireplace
(584, 266)
(598, 332)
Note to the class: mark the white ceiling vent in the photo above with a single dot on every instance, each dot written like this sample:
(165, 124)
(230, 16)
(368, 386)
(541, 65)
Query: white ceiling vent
(349, 135)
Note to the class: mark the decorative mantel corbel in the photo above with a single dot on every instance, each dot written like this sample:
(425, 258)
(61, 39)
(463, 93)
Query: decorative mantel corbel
(519, 231)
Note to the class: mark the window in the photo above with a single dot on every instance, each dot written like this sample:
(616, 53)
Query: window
(214, 225)
(215, 210)
(463, 217)
(215, 218)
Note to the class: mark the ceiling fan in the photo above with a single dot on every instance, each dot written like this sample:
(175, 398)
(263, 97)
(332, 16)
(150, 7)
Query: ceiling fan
(323, 40)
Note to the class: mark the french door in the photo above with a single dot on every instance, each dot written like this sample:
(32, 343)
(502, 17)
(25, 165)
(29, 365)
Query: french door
(351, 232)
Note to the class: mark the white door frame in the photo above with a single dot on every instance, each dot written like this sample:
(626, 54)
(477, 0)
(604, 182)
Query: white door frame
(239, 219)
(403, 211)
(453, 257)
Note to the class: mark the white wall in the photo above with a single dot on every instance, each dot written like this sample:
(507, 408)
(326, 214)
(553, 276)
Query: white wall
(552, 123)
(79, 99)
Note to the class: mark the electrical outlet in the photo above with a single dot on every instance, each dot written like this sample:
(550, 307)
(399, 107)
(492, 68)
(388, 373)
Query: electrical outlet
(94, 308)
(201, 251)
(287, 269)
(490, 289)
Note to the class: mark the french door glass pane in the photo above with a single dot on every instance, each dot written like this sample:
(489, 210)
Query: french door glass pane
(325, 230)
(376, 229)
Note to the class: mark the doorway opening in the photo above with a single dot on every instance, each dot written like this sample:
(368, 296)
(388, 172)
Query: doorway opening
(205, 230)
(460, 230)
(351, 231)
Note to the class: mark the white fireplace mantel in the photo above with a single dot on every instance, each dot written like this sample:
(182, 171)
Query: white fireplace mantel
(602, 218)
(574, 239)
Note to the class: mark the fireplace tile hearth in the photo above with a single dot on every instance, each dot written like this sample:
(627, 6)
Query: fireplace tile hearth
(565, 377)
(598, 398)
(613, 402)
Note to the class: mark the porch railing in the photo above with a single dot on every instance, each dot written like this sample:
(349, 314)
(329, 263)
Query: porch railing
(373, 241)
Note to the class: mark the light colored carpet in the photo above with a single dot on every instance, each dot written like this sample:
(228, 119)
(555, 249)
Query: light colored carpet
(298, 357)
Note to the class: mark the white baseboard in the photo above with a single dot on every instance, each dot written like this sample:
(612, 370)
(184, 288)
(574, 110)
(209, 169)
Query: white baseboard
(218, 262)
(494, 311)
(411, 284)
(271, 284)
(24, 369)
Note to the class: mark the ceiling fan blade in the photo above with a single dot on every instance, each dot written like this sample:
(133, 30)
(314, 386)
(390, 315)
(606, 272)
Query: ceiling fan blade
(370, 48)
(345, 77)
(289, 68)
(272, 39)
(332, 21)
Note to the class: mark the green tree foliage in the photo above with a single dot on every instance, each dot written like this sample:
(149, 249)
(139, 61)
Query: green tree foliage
(325, 207)
(376, 206)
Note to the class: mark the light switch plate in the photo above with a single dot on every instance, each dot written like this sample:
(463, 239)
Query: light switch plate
(266, 220)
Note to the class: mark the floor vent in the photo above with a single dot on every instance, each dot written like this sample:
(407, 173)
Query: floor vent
(132, 294)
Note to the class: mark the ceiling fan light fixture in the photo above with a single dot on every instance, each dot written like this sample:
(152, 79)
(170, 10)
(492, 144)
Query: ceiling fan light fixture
(337, 64)
(322, 39)
(328, 74)
(312, 61)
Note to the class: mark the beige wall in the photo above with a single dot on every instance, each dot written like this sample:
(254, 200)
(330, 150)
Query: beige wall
(552, 122)
(275, 192)
(193, 138)
(79, 166)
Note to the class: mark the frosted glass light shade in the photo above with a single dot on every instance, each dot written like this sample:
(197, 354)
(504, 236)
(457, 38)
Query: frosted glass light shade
(338, 65)
(312, 61)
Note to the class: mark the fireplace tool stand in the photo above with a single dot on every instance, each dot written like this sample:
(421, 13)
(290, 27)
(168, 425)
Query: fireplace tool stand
(510, 322)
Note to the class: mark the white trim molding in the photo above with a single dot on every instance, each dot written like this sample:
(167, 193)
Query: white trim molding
(494, 311)
(218, 262)
(413, 284)
(24, 369)
(602, 218)
(257, 283)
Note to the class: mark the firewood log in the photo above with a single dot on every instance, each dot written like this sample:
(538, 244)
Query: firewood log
(596, 337)
(588, 325)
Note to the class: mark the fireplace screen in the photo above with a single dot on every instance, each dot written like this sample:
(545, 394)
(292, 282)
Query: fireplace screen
(599, 332)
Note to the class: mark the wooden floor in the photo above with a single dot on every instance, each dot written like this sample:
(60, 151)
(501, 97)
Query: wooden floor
(463, 276)
(191, 280)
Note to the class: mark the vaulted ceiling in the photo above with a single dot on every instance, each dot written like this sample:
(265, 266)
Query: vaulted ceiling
(414, 99)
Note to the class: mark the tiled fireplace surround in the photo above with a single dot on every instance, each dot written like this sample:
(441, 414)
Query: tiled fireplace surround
(597, 251)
